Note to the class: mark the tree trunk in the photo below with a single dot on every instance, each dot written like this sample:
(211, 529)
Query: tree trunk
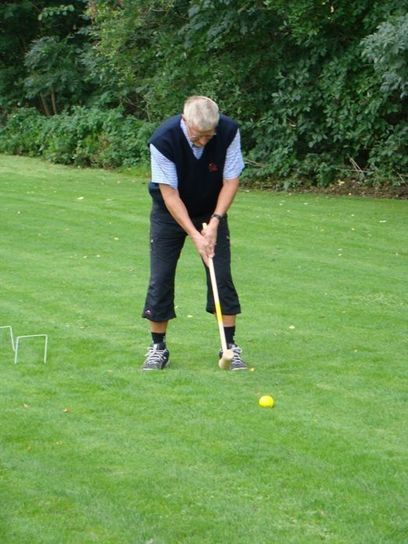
(54, 103)
(45, 106)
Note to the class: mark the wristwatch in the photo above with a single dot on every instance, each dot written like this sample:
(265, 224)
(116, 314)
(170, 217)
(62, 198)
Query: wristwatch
(217, 215)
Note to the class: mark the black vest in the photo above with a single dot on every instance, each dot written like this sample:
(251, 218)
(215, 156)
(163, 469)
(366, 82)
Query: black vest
(199, 180)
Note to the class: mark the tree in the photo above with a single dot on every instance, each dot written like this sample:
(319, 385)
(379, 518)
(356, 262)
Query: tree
(18, 26)
(42, 44)
(387, 49)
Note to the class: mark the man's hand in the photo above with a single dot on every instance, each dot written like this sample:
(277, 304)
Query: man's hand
(210, 234)
(203, 246)
(179, 212)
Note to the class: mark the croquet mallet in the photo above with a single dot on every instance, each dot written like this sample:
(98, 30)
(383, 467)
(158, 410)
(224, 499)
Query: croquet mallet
(227, 354)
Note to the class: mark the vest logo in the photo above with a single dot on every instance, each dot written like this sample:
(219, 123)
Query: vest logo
(212, 167)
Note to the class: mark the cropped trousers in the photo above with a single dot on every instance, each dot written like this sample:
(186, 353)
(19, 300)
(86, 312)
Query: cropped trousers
(166, 242)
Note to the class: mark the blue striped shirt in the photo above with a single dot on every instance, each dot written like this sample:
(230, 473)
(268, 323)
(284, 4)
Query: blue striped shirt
(164, 170)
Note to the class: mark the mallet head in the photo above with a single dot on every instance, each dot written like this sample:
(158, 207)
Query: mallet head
(225, 362)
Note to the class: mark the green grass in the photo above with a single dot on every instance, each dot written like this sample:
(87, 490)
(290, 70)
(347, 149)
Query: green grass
(93, 450)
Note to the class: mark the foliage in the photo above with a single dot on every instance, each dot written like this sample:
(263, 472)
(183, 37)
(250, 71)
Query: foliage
(387, 49)
(53, 69)
(23, 133)
(41, 49)
(320, 88)
(83, 136)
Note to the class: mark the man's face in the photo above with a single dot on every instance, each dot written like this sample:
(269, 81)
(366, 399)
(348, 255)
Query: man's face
(197, 137)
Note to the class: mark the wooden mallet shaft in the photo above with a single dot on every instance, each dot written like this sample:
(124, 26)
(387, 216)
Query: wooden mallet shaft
(227, 354)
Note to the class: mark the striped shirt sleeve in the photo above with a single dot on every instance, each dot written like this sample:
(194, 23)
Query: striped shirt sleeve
(163, 170)
(234, 163)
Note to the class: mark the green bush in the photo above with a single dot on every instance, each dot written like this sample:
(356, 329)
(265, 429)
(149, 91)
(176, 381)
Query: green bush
(83, 137)
(21, 133)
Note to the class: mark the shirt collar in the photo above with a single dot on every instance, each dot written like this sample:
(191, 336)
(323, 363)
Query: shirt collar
(185, 132)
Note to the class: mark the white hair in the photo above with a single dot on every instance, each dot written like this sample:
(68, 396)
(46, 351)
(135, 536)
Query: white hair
(202, 112)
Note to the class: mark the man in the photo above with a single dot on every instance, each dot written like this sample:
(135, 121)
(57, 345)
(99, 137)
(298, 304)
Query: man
(196, 162)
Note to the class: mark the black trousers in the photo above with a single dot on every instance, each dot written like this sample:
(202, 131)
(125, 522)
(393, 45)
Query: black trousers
(166, 242)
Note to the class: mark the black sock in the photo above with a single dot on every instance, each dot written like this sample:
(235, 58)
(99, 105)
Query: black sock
(158, 337)
(229, 334)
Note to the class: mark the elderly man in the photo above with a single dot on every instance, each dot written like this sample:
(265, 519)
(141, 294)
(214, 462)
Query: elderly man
(196, 162)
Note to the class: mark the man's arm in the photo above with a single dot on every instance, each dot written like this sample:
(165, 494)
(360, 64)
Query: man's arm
(225, 199)
(233, 167)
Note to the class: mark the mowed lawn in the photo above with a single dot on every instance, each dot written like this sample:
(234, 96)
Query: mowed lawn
(94, 450)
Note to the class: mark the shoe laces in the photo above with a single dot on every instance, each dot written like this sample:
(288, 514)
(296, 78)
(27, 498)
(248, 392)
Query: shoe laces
(154, 354)
(236, 351)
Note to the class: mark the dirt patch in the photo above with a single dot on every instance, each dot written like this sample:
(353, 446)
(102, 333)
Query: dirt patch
(349, 187)
(356, 188)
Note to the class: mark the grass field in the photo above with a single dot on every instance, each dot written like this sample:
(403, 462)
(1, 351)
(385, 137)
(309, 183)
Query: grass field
(93, 450)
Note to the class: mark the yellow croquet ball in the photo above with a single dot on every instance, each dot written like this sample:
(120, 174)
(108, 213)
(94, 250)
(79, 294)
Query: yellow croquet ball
(266, 402)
